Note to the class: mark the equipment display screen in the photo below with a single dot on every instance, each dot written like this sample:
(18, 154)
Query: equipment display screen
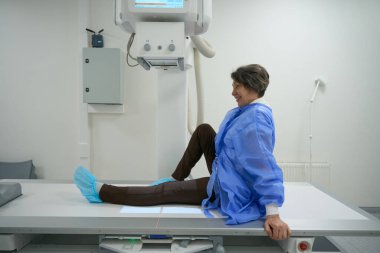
(167, 4)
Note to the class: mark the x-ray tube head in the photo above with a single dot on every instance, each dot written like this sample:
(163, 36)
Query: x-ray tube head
(196, 14)
(160, 27)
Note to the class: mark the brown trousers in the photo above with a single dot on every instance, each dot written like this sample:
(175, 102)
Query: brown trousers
(179, 192)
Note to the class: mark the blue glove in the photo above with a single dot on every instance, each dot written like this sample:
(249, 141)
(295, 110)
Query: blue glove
(163, 180)
(86, 182)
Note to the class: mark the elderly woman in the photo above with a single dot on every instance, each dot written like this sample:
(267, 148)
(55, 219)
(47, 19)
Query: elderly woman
(246, 183)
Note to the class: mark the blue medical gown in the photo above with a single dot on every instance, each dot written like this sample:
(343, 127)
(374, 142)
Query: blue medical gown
(245, 176)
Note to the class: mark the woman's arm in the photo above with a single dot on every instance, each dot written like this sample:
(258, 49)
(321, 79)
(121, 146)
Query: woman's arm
(254, 146)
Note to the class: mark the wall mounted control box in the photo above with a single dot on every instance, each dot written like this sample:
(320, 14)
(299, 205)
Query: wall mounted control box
(103, 75)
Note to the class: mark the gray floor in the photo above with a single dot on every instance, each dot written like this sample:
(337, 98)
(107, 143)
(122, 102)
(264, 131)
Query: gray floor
(359, 244)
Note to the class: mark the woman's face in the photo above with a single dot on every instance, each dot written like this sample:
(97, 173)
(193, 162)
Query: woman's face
(243, 95)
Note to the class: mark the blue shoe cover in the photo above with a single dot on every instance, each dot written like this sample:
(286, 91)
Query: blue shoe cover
(86, 182)
(163, 180)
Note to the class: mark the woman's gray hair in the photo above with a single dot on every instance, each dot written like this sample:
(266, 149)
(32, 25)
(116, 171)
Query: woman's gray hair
(253, 76)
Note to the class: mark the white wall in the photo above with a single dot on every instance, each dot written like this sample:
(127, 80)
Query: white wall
(38, 84)
(297, 41)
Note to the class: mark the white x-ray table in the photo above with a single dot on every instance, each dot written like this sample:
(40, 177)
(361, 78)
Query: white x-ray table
(59, 208)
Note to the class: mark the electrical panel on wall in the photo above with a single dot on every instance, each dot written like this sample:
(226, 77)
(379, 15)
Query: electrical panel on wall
(103, 76)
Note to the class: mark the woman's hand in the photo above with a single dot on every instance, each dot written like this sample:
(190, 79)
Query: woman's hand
(276, 228)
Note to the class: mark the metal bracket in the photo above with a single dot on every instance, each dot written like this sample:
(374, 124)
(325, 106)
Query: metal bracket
(167, 244)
